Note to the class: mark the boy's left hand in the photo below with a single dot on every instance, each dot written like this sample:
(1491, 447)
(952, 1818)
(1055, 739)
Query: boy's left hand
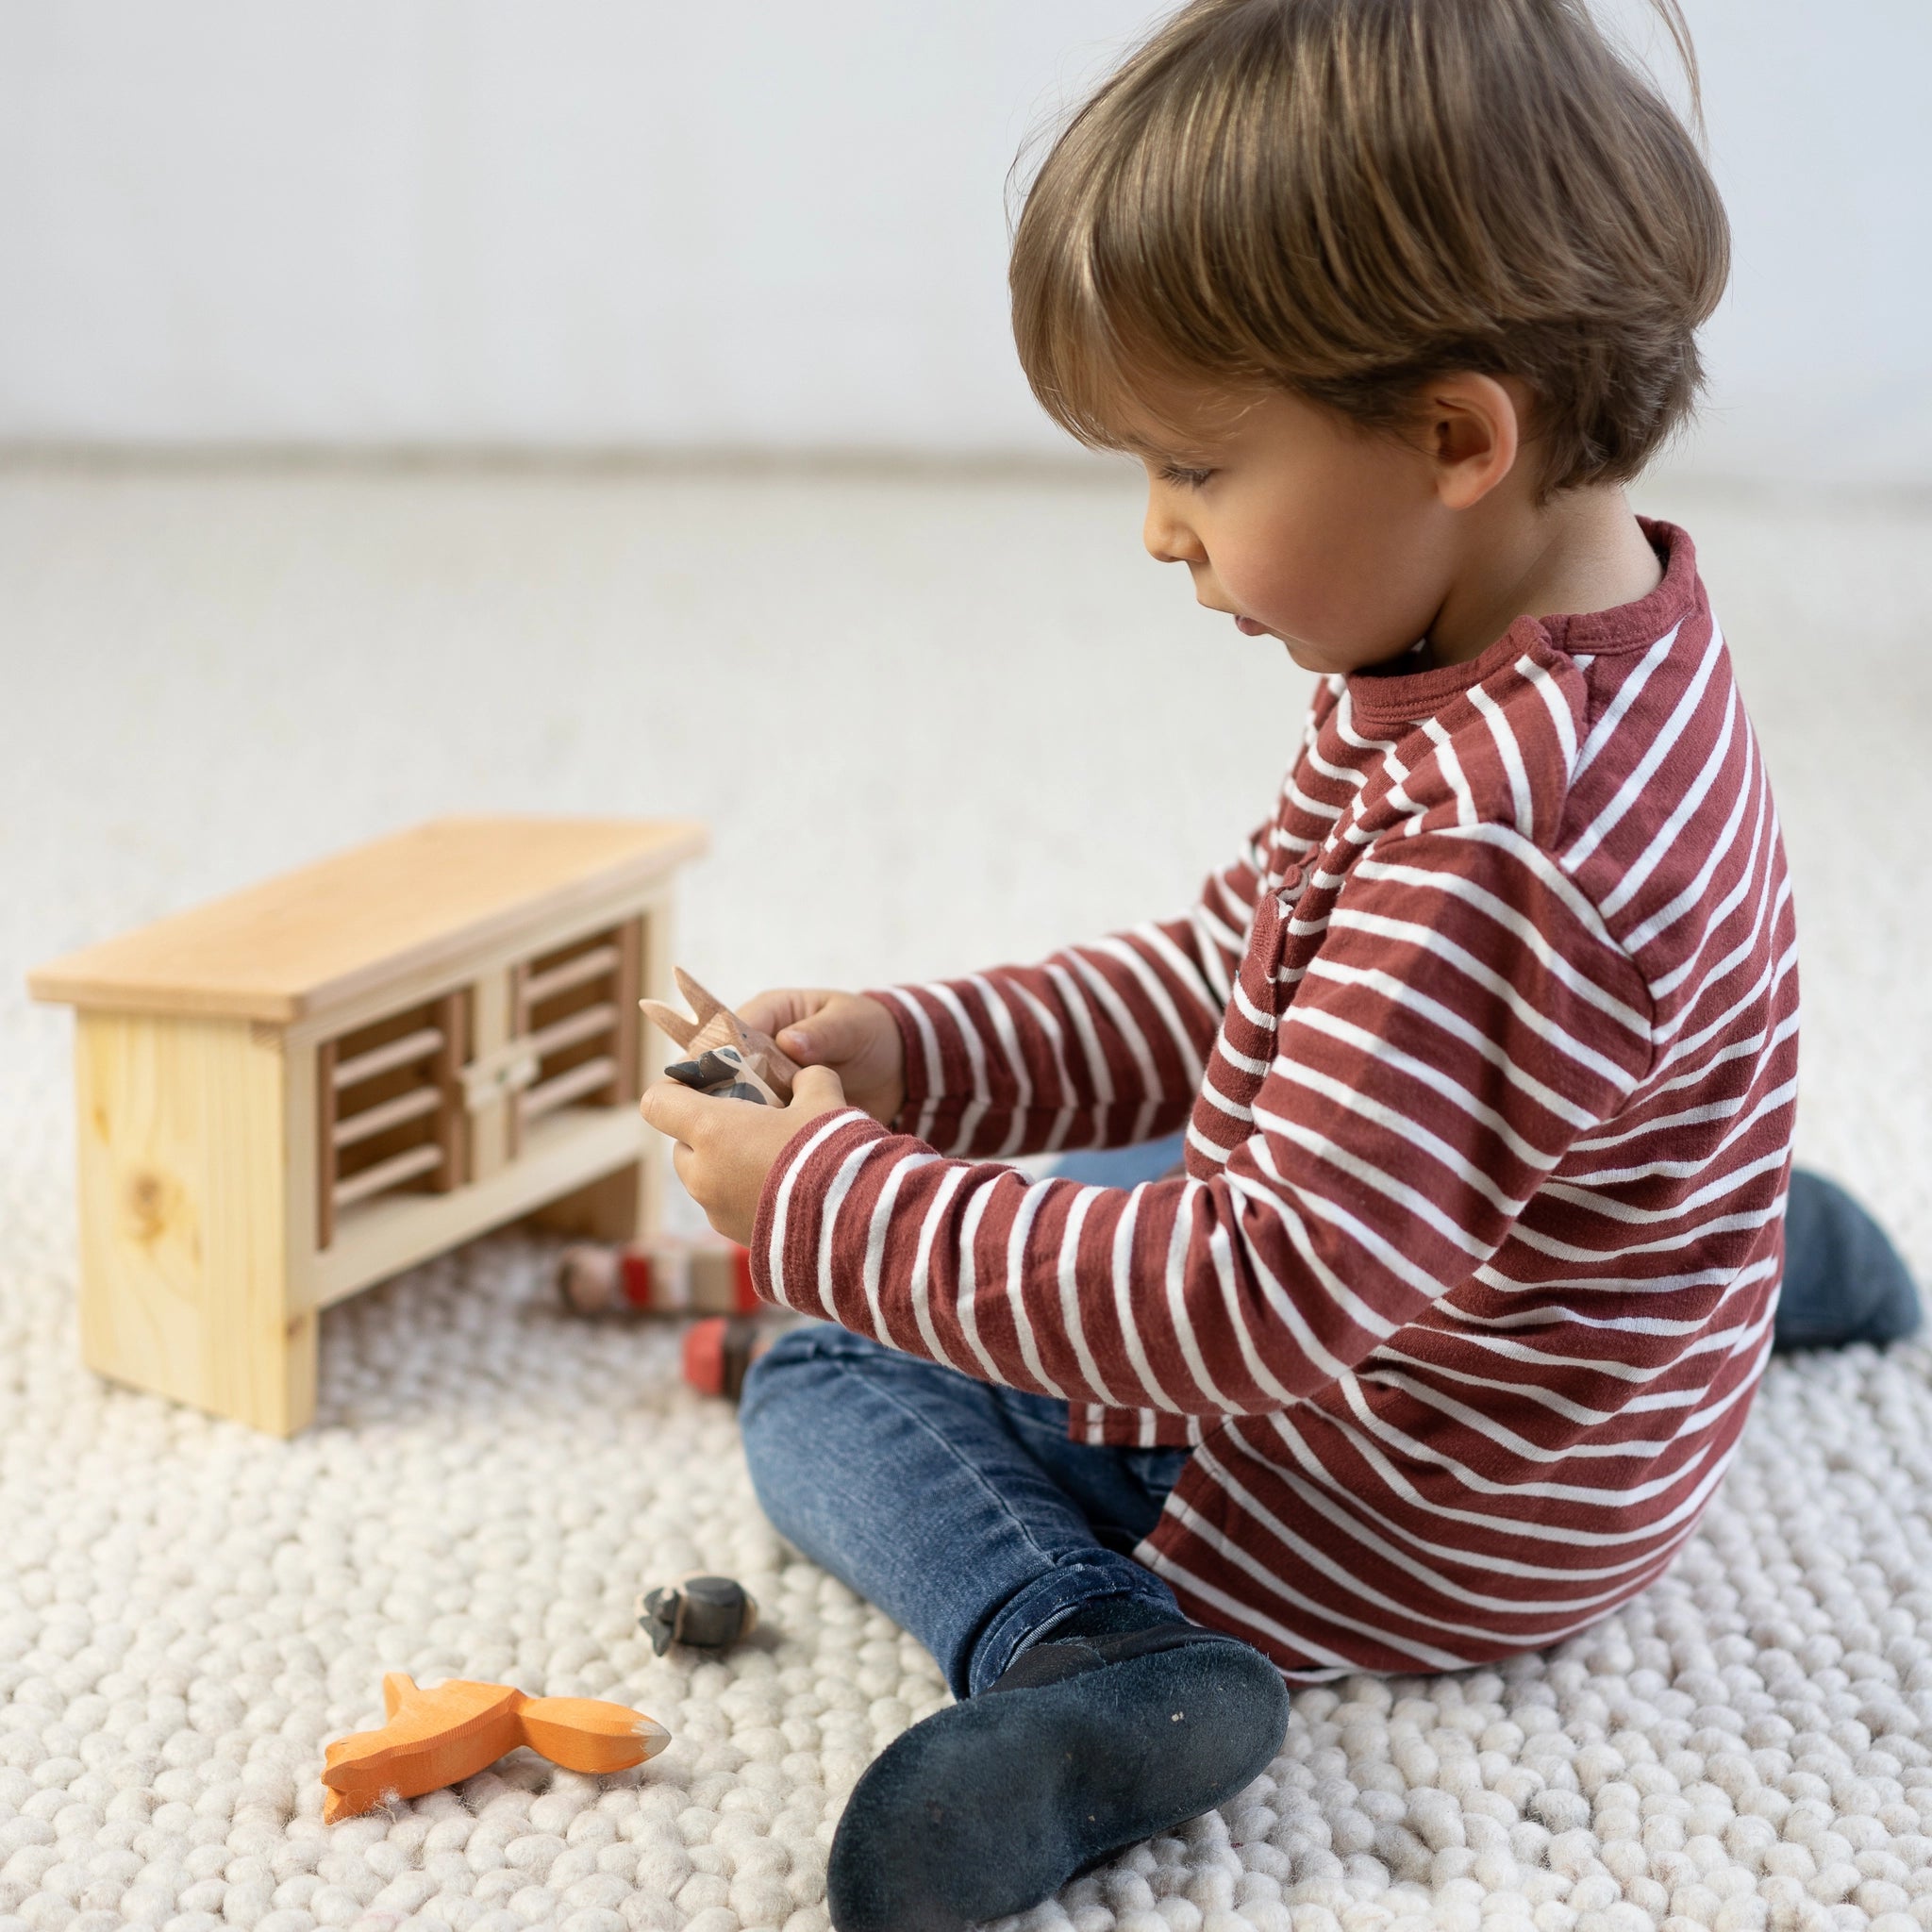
(724, 1148)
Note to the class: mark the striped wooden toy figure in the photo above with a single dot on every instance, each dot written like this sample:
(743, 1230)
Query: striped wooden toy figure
(668, 1275)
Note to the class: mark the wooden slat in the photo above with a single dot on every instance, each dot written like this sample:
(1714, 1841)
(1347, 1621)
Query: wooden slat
(414, 1046)
(405, 1166)
(630, 978)
(566, 1088)
(325, 1145)
(563, 1153)
(453, 1116)
(413, 1105)
(519, 1025)
(575, 1029)
(592, 965)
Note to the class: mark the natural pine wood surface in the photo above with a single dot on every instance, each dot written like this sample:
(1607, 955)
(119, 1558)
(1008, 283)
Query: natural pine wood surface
(185, 1242)
(311, 940)
(216, 1213)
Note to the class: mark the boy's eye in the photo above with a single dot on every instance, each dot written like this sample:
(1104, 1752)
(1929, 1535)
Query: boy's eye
(1187, 479)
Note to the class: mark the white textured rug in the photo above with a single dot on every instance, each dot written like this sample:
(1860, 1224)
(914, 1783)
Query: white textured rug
(208, 677)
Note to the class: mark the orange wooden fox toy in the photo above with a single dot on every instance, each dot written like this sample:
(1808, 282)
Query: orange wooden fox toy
(441, 1737)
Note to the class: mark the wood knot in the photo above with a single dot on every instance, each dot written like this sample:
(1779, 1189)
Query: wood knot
(149, 1200)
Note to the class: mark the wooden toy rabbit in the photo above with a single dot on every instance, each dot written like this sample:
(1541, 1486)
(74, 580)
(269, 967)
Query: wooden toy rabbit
(725, 1056)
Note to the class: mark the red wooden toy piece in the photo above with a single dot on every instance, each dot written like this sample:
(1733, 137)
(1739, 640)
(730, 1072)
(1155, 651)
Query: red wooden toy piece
(718, 1351)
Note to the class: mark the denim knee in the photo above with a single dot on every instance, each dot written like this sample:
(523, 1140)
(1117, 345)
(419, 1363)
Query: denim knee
(803, 1363)
(818, 1348)
(791, 1352)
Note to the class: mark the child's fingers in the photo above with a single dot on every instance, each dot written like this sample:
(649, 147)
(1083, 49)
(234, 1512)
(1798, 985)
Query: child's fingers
(676, 1110)
(835, 1033)
(777, 1007)
(818, 1090)
(804, 1047)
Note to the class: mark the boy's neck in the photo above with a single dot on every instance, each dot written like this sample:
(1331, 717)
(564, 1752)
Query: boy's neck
(1583, 552)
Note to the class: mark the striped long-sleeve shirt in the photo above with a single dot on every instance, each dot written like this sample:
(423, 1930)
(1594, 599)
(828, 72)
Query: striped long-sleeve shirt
(1486, 1051)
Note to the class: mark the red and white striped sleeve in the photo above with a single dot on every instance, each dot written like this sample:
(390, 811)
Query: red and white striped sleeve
(1100, 1045)
(1463, 1016)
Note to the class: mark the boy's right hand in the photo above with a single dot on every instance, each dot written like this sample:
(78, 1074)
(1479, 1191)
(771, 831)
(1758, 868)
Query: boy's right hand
(858, 1038)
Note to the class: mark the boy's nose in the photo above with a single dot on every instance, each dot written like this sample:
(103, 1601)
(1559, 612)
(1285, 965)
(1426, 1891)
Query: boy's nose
(1168, 540)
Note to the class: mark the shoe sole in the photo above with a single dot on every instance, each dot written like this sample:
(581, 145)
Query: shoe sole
(1070, 1772)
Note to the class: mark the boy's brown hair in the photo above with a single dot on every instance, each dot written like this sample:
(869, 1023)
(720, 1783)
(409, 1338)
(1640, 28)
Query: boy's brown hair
(1341, 198)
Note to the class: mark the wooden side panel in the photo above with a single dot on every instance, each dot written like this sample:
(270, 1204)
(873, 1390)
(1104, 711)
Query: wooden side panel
(184, 1204)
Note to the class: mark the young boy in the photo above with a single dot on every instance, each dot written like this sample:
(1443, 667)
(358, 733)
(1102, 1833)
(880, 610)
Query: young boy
(1486, 1045)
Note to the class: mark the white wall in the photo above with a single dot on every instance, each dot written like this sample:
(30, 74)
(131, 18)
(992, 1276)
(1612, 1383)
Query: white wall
(632, 223)
(1822, 141)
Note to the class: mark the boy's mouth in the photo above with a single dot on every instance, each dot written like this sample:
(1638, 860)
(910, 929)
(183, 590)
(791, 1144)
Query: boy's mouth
(1249, 628)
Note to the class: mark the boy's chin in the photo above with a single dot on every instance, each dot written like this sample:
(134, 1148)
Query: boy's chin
(1324, 658)
(1330, 660)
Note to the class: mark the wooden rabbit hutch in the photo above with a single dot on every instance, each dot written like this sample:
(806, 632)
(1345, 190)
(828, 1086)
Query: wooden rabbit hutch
(289, 1093)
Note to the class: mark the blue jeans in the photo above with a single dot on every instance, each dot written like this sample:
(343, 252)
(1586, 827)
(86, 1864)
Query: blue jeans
(962, 1509)
(958, 1507)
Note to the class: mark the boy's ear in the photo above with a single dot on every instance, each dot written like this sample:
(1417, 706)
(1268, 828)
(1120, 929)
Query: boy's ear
(1473, 428)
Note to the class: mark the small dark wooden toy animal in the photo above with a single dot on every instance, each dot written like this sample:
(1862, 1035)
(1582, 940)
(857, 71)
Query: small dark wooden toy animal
(721, 1071)
(707, 1613)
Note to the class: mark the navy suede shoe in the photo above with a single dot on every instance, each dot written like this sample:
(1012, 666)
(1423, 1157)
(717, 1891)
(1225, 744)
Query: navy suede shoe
(1083, 1747)
(1843, 1280)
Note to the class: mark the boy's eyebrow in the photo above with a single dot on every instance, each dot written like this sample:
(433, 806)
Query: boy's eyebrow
(1183, 455)
(1199, 445)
